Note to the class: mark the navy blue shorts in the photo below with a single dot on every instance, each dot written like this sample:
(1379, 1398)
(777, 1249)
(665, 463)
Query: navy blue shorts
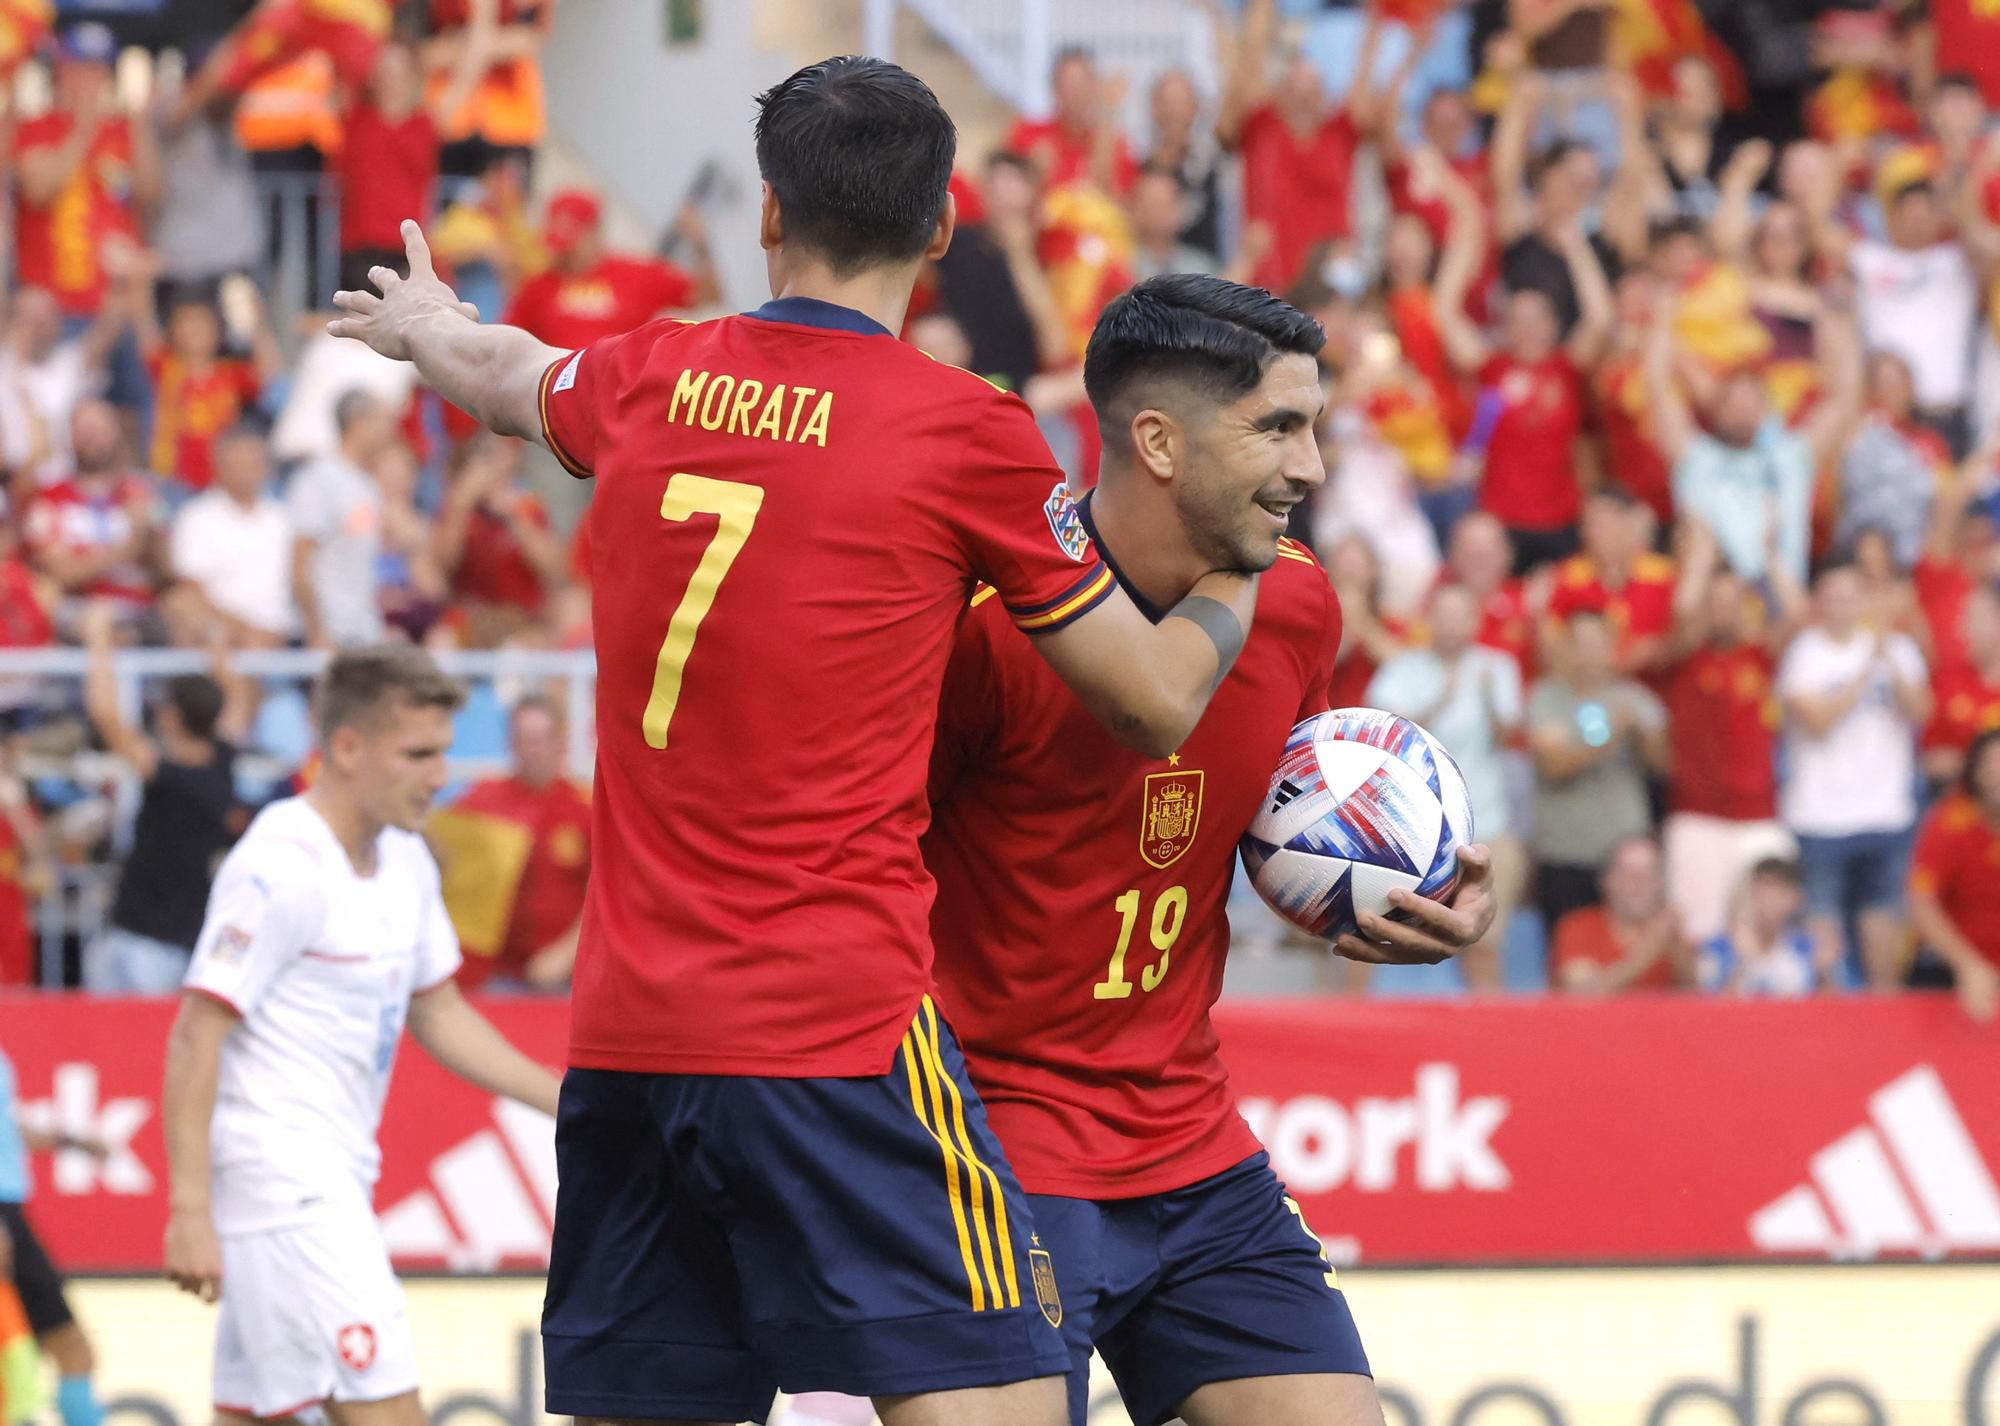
(1212, 1282)
(720, 1237)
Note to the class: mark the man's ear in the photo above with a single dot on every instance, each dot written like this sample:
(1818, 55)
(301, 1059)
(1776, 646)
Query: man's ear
(1158, 443)
(770, 222)
(947, 225)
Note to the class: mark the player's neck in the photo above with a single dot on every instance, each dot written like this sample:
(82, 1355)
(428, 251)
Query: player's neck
(880, 293)
(1146, 542)
(353, 828)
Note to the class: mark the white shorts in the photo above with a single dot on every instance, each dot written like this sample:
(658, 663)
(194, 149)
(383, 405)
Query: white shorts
(311, 1313)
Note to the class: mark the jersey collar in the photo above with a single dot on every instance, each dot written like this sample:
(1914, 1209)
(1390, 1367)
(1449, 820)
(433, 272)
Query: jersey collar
(811, 312)
(1152, 611)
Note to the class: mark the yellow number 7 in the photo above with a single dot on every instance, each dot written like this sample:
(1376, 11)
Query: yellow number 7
(735, 507)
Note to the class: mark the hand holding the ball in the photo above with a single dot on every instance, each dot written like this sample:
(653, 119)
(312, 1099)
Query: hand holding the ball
(1434, 930)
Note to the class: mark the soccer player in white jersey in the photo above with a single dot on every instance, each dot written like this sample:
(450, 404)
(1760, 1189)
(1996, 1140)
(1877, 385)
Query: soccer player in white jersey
(325, 933)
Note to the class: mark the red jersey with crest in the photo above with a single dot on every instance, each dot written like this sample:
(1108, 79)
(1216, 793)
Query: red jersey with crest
(1082, 890)
(792, 509)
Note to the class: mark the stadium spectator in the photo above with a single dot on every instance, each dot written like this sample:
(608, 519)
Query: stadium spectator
(198, 391)
(492, 541)
(1595, 738)
(539, 822)
(1617, 575)
(1853, 699)
(1955, 880)
(1181, 145)
(281, 35)
(336, 514)
(1368, 638)
(484, 57)
(43, 377)
(1081, 141)
(1481, 558)
(411, 590)
(231, 548)
(1158, 208)
(188, 814)
(1469, 697)
(1297, 147)
(1892, 467)
(1966, 694)
(990, 280)
(86, 175)
(1750, 481)
(1959, 554)
(1531, 391)
(591, 292)
(388, 166)
(210, 224)
(94, 535)
(1541, 203)
(1632, 940)
(26, 872)
(1722, 791)
(1766, 950)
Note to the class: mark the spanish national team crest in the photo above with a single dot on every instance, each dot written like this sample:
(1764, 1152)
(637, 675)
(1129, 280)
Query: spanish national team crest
(1043, 1269)
(1171, 814)
(1060, 507)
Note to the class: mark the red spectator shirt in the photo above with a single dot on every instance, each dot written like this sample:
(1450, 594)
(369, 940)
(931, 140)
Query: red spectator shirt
(1723, 725)
(67, 517)
(1505, 624)
(792, 508)
(493, 568)
(17, 946)
(1632, 454)
(1082, 889)
(1299, 186)
(573, 310)
(1435, 214)
(1066, 156)
(549, 896)
(1587, 936)
(60, 246)
(1966, 706)
(191, 409)
(1942, 588)
(1958, 861)
(387, 173)
(1530, 481)
(24, 619)
(1640, 608)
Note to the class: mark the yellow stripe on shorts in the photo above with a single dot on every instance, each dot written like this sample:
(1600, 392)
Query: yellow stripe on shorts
(929, 1017)
(912, 1064)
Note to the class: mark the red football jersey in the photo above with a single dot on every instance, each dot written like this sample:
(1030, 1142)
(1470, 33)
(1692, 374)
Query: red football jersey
(615, 296)
(1082, 889)
(1957, 860)
(792, 510)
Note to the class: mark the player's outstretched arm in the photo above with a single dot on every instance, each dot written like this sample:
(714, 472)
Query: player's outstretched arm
(465, 1042)
(492, 371)
(1149, 684)
(187, 1107)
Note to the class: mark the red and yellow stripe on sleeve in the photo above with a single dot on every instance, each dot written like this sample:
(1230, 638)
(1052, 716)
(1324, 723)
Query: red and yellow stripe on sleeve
(569, 462)
(1066, 608)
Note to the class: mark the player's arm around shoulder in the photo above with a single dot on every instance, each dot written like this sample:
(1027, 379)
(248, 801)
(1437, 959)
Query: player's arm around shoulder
(465, 1042)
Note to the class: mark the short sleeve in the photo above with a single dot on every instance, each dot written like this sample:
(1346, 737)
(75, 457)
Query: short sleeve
(437, 949)
(307, 504)
(575, 393)
(1017, 523)
(262, 914)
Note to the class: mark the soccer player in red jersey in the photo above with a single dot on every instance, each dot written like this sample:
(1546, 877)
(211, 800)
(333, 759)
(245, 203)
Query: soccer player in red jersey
(774, 1171)
(1081, 921)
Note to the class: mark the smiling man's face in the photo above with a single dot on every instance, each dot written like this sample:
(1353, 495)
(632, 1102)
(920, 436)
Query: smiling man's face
(1248, 463)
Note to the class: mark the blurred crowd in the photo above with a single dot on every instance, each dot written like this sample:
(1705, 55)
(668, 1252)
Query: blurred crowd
(1663, 439)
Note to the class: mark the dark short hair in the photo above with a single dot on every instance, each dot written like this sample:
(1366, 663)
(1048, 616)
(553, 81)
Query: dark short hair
(535, 703)
(1975, 750)
(1675, 225)
(351, 407)
(1069, 54)
(197, 701)
(1215, 336)
(1007, 158)
(1959, 79)
(1778, 869)
(1543, 163)
(362, 684)
(1152, 168)
(859, 154)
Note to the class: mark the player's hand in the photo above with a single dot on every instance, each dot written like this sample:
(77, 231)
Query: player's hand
(1979, 991)
(194, 1255)
(1428, 931)
(385, 322)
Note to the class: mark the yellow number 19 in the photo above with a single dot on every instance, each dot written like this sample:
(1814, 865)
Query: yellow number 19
(735, 507)
(1168, 914)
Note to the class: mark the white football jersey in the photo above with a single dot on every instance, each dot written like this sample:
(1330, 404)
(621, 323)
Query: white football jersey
(321, 963)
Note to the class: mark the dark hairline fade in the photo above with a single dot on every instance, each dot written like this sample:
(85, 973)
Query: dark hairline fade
(859, 153)
(1208, 335)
